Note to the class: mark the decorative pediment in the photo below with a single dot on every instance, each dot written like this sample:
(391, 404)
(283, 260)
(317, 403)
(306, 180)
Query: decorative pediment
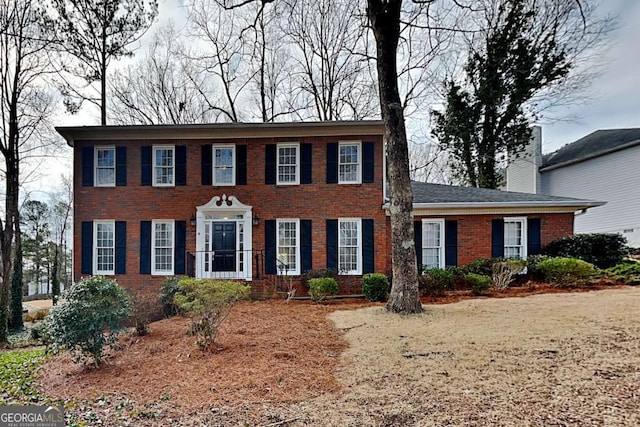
(224, 203)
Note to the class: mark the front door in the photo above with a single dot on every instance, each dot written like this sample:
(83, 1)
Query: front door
(223, 239)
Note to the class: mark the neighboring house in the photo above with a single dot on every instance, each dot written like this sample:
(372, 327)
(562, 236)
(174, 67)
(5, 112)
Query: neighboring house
(600, 166)
(266, 202)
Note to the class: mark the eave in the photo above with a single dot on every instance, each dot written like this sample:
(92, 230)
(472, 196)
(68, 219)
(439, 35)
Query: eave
(498, 208)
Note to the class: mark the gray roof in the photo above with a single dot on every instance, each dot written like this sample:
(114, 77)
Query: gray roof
(425, 193)
(595, 144)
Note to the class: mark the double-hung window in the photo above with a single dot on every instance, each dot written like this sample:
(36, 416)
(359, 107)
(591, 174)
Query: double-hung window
(105, 169)
(349, 163)
(223, 165)
(288, 246)
(433, 243)
(104, 247)
(515, 240)
(164, 166)
(349, 246)
(162, 250)
(288, 166)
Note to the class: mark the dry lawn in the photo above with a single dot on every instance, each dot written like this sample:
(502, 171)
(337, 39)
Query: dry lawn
(546, 360)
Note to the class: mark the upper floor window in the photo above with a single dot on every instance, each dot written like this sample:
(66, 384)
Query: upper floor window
(105, 170)
(104, 247)
(515, 243)
(349, 246)
(162, 250)
(288, 246)
(433, 243)
(288, 164)
(164, 165)
(349, 163)
(224, 165)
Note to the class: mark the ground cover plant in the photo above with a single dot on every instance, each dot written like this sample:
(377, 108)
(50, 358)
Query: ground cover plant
(17, 372)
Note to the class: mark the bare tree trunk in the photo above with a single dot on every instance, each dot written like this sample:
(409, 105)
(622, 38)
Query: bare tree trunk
(384, 17)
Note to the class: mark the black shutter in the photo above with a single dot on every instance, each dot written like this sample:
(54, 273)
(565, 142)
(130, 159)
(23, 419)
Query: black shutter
(497, 238)
(368, 246)
(206, 164)
(332, 163)
(534, 241)
(180, 248)
(145, 247)
(451, 242)
(270, 246)
(86, 266)
(241, 165)
(306, 246)
(121, 247)
(181, 165)
(87, 166)
(368, 163)
(332, 244)
(306, 163)
(270, 164)
(121, 166)
(417, 237)
(145, 165)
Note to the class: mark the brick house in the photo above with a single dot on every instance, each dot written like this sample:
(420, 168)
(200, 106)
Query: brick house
(259, 202)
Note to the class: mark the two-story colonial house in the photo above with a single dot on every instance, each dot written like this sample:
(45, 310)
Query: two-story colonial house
(257, 201)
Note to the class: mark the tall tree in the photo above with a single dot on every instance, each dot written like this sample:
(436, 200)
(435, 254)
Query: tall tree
(528, 48)
(25, 105)
(95, 32)
(60, 208)
(34, 217)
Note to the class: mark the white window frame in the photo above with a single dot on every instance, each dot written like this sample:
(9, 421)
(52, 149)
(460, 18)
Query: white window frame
(523, 241)
(441, 247)
(358, 269)
(233, 164)
(172, 148)
(154, 271)
(111, 271)
(297, 164)
(358, 179)
(295, 271)
(96, 167)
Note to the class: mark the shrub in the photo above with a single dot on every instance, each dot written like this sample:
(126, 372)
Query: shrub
(318, 273)
(375, 287)
(435, 281)
(40, 332)
(144, 308)
(627, 272)
(321, 287)
(168, 289)
(482, 266)
(533, 271)
(479, 282)
(599, 249)
(208, 303)
(567, 271)
(90, 318)
(504, 272)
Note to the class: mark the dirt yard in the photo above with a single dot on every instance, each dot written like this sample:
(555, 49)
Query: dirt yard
(570, 359)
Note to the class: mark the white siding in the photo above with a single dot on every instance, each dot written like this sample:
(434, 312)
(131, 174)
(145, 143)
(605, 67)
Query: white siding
(613, 178)
(522, 172)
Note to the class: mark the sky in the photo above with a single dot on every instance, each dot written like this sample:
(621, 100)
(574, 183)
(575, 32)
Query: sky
(614, 103)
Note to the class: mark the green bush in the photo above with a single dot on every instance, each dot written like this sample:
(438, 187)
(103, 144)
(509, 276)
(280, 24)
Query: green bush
(168, 289)
(375, 287)
(435, 281)
(599, 249)
(318, 274)
(627, 272)
(40, 332)
(567, 271)
(322, 287)
(482, 266)
(90, 318)
(208, 303)
(479, 283)
(533, 271)
(144, 308)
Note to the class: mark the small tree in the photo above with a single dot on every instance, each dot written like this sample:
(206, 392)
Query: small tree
(91, 317)
(208, 304)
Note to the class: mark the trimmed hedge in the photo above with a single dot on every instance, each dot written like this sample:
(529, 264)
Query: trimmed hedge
(599, 249)
(322, 287)
(375, 287)
(567, 271)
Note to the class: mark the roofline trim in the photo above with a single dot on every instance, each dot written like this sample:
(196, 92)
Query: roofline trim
(575, 204)
(222, 130)
(590, 156)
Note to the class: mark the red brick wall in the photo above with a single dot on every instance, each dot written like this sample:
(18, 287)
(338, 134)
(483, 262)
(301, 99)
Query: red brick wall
(318, 201)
